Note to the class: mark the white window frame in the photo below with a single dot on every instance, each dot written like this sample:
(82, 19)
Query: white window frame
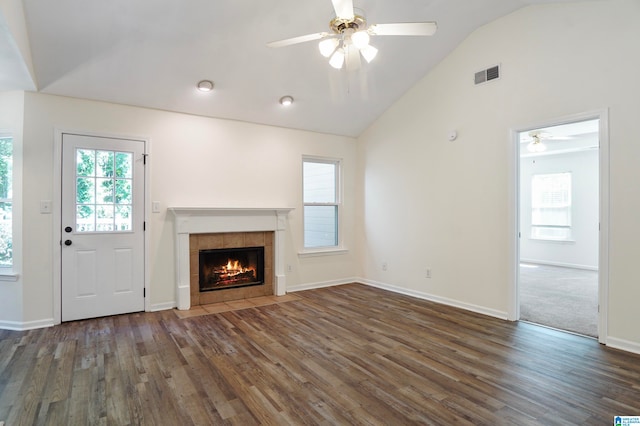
(7, 272)
(554, 231)
(338, 247)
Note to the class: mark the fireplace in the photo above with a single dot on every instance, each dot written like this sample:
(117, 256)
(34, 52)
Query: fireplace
(205, 228)
(230, 268)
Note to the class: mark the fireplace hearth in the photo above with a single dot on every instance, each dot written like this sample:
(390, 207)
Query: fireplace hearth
(230, 268)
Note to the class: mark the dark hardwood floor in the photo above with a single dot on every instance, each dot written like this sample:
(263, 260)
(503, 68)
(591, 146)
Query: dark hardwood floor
(344, 355)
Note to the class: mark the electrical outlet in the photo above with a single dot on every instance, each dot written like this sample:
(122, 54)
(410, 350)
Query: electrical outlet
(427, 273)
(289, 268)
(384, 266)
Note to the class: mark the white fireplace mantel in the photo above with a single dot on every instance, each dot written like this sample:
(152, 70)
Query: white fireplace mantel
(203, 220)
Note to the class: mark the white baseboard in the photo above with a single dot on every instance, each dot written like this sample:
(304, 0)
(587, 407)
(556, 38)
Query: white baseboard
(162, 306)
(400, 290)
(624, 345)
(562, 264)
(322, 284)
(24, 326)
(442, 300)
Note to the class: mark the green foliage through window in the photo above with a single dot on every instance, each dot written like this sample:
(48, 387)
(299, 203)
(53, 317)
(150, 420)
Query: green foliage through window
(103, 190)
(6, 201)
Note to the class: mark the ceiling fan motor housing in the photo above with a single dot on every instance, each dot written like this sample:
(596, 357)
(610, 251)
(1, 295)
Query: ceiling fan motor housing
(340, 25)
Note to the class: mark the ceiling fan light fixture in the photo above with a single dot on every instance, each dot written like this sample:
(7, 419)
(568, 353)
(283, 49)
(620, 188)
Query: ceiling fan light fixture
(536, 146)
(286, 100)
(205, 85)
(368, 53)
(337, 59)
(360, 39)
(328, 46)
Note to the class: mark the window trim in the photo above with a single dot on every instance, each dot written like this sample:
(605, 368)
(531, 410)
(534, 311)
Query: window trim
(339, 247)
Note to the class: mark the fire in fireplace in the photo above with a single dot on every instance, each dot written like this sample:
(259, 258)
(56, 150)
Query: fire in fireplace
(231, 268)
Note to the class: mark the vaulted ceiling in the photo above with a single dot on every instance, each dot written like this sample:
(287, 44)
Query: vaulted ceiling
(152, 53)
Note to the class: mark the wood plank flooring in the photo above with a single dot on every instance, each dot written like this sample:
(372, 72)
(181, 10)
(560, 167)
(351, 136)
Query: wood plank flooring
(343, 355)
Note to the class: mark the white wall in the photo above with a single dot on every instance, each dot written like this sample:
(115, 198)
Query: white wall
(582, 250)
(195, 161)
(429, 202)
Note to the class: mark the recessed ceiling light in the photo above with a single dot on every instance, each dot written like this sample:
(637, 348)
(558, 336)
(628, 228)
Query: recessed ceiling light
(205, 85)
(286, 100)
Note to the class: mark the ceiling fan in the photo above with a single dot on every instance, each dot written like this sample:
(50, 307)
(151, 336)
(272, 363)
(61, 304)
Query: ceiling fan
(537, 136)
(350, 35)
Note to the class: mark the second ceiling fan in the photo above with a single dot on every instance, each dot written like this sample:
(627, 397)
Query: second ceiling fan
(350, 35)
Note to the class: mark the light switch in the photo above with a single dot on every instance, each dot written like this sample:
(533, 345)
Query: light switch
(155, 206)
(45, 206)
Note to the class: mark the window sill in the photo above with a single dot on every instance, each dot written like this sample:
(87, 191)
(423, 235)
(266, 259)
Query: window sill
(548, 240)
(9, 276)
(323, 252)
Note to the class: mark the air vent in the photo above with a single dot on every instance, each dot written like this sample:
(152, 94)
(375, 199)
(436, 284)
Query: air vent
(487, 75)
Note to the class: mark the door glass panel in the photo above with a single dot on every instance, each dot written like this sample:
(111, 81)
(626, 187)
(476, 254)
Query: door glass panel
(123, 191)
(86, 193)
(123, 218)
(104, 218)
(103, 179)
(123, 165)
(104, 190)
(86, 164)
(85, 218)
(105, 163)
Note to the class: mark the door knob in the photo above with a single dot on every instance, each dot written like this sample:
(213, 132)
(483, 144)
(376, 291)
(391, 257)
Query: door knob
(67, 242)
(68, 229)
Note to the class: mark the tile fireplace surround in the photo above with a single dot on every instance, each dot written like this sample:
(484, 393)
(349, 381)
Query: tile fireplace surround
(203, 220)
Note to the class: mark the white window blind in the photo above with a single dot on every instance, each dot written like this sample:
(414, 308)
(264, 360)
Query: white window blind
(551, 206)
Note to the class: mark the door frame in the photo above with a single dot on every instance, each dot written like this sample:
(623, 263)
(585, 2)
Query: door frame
(57, 214)
(513, 307)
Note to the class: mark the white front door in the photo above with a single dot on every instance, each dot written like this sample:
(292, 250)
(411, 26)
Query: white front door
(102, 226)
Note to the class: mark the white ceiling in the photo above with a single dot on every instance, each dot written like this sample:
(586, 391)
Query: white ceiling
(151, 53)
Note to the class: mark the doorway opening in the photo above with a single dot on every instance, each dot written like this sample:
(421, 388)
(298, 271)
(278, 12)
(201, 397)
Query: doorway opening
(559, 245)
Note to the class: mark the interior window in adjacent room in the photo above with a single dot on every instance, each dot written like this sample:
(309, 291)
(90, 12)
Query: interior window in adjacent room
(551, 206)
(321, 199)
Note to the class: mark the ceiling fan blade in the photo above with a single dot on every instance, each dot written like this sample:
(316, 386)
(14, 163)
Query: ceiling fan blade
(343, 8)
(405, 29)
(296, 40)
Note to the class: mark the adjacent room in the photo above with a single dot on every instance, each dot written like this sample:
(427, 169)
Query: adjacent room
(312, 212)
(559, 205)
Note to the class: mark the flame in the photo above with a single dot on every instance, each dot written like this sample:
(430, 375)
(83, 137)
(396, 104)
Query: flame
(232, 272)
(235, 267)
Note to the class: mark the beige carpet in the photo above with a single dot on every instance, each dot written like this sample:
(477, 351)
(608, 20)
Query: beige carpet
(562, 298)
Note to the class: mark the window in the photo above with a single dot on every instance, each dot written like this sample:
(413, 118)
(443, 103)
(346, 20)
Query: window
(551, 206)
(103, 190)
(321, 199)
(6, 201)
